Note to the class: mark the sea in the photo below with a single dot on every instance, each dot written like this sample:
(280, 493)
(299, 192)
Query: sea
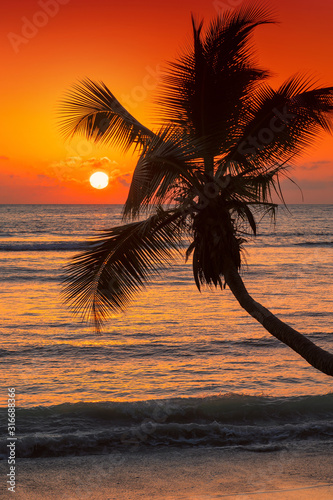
(179, 368)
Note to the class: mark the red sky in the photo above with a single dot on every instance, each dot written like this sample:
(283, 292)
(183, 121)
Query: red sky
(47, 45)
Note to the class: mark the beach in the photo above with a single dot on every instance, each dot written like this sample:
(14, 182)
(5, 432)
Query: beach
(301, 472)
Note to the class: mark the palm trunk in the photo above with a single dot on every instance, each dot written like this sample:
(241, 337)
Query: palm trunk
(319, 358)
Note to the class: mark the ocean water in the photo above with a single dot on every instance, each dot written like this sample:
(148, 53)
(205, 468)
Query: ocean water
(179, 368)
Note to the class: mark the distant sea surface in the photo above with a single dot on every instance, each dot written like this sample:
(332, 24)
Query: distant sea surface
(179, 368)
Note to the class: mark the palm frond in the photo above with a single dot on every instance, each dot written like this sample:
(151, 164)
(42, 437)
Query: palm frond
(168, 168)
(108, 274)
(90, 109)
(281, 124)
(206, 89)
(227, 38)
(256, 185)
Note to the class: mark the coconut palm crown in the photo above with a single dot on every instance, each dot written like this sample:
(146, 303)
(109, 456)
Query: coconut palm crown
(206, 173)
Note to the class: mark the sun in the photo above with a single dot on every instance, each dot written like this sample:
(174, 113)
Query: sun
(99, 180)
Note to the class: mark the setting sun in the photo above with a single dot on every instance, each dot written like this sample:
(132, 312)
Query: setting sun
(99, 180)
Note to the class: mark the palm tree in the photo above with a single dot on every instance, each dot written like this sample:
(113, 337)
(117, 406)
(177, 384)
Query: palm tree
(209, 170)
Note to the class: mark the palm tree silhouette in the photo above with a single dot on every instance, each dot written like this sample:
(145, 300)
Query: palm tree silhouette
(224, 140)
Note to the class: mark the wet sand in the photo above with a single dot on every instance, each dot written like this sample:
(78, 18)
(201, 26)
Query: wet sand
(305, 473)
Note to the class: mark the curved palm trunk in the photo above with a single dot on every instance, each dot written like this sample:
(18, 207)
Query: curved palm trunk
(319, 358)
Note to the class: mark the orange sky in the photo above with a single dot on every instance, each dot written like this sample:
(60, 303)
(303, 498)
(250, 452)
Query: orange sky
(47, 45)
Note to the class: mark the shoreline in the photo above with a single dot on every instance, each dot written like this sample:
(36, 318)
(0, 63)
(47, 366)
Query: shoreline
(304, 471)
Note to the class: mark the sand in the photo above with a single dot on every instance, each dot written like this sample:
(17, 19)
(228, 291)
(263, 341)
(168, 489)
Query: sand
(304, 472)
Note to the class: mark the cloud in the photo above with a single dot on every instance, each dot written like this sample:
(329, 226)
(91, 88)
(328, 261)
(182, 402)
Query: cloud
(47, 179)
(314, 165)
(319, 185)
(104, 163)
(124, 180)
(4, 158)
(78, 170)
